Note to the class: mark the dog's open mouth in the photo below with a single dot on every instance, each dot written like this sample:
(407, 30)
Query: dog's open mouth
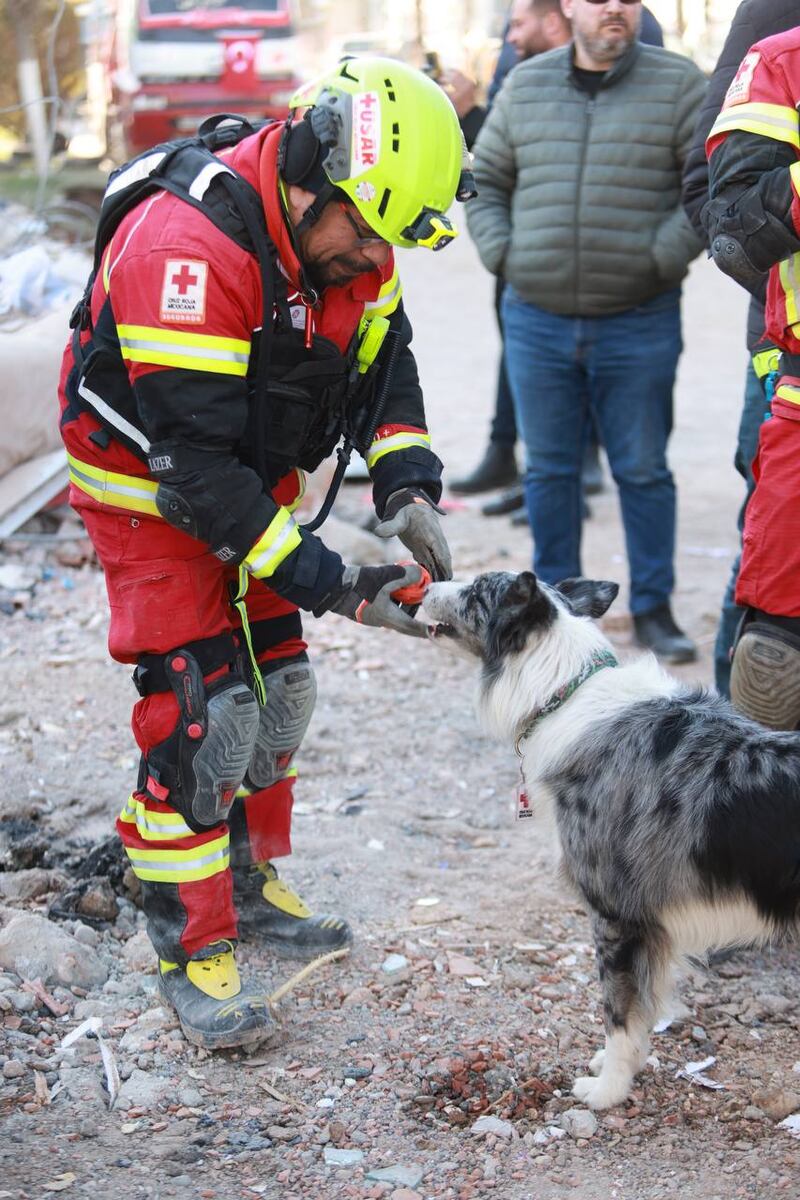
(441, 630)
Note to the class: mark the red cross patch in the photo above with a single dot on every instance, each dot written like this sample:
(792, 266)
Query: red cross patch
(183, 292)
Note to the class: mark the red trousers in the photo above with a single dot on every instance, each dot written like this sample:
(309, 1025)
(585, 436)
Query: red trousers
(769, 576)
(165, 589)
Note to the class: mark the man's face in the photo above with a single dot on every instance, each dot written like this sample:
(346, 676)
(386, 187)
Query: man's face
(526, 30)
(340, 246)
(604, 31)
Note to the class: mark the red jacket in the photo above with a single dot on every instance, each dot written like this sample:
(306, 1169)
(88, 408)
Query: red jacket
(176, 310)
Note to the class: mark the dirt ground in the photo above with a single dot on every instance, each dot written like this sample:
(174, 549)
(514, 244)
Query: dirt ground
(436, 1060)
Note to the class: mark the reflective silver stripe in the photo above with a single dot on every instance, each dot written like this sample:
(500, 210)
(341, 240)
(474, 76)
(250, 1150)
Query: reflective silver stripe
(181, 350)
(113, 418)
(203, 179)
(185, 864)
(167, 830)
(383, 301)
(116, 489)
(274, 548)
(137, 171)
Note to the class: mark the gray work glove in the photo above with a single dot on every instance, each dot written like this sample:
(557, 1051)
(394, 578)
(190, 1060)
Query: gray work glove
(411, 516)
(365, 596)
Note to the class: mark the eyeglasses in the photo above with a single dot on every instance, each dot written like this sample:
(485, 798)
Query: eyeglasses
(606, 1)
(362, 238)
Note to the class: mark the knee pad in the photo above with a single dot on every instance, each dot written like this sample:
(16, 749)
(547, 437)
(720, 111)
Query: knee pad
(283, 721)
(765, 675)
(199, 768)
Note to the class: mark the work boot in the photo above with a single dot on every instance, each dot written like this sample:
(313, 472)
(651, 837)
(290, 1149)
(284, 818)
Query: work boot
(213, 1008)
(765, 675)
(271, 912)
(656, 630)
(497, 468)
(507, 502)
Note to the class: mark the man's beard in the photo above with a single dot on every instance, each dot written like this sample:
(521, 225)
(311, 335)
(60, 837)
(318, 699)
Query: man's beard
(337, 271)
(605, 49)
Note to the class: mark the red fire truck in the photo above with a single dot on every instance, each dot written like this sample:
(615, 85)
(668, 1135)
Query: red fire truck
(173, 62)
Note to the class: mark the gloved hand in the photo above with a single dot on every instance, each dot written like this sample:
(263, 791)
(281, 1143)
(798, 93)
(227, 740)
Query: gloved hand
(411, 516)
(365, 596)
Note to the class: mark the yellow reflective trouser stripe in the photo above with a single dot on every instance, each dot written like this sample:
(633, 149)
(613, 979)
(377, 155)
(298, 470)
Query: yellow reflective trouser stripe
(181, 866)
(243, 792)
(770, 120)
(398, 441)
(192, 351)
(108, 487)
(790, 283)
(276, 543)
(787, 392)
(154, 826)
(387, 300)
(766, 361)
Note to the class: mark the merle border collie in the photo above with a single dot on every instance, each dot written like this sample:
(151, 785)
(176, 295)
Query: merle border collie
(678, 819)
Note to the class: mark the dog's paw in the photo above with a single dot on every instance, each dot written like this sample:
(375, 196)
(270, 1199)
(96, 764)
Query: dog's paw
(599, 1093)
(596, 1065)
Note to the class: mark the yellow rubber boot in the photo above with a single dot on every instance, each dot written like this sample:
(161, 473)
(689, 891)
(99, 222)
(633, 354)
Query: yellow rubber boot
(271, 912)
(214, 1010)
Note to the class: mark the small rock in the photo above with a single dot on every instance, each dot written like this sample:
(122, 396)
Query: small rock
(86, 935)
(406, 1175)
(138, 953)
(578, 1122)
(98, 901)
(191, 1097)
(144, 1090)
(503, 1129)
(358, 997)
(280, 1133)
(25, 885)
(335, 1157)
(777, 1103)
(13, 1069)
(393, 963)
(775, 1005)
(22, 1001)
(37, 949)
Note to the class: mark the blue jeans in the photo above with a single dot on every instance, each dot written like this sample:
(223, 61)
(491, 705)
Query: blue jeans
(753, 413)
(504, 425)
(620, 369)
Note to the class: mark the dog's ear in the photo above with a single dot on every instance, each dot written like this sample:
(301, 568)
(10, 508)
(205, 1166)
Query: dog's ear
(524, 608)
(588, 597)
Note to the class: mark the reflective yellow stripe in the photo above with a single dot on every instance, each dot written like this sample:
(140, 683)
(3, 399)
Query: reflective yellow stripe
(106, 266)
(243, 792)
(301, 486)
(387, 299)
(192, 351)
(770, 120)
(787, 391)
(240, 606)
(398, 441)
(154, 826)
(790, 283)
(766, 361)
(277, 542)
(131, 492)
(181, 866)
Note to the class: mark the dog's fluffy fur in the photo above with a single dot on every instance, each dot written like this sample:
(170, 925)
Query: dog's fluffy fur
(678, 819)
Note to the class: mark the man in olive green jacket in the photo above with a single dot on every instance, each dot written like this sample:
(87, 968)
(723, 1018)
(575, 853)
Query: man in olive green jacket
(579, 174)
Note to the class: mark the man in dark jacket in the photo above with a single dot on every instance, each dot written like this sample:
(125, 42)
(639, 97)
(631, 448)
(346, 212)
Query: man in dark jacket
(578, 169)
(754, 20)
(534, 27)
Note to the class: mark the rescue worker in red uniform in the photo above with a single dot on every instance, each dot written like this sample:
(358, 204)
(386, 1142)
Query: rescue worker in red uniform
(753, 221)
(188, 435)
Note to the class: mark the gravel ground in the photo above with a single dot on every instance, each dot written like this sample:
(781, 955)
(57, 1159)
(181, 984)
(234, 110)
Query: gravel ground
(436, 1060)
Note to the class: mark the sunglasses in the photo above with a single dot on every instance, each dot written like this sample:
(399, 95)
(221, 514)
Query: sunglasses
(362, 238)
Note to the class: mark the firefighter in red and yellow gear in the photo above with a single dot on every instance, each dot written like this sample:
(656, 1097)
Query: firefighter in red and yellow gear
(753, 221)
(217, 356)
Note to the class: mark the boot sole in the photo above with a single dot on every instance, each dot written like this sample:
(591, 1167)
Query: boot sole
(282, 950)
(221, 1041)
(765, 679)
